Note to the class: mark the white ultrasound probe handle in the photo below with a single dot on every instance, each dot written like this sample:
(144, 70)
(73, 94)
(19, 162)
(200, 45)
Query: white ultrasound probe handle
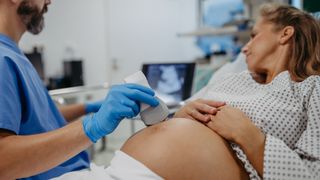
(149, 115)
(138, 78)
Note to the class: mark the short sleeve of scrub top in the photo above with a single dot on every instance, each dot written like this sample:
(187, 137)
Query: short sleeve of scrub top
(10, 102)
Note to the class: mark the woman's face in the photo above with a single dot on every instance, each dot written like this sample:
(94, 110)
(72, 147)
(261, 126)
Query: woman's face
(262, 49)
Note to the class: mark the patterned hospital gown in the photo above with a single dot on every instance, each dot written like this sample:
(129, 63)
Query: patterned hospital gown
(287, 112)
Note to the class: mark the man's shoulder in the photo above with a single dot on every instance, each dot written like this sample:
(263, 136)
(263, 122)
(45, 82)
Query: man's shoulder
(8, 54)
(6, 63)
(11, 59)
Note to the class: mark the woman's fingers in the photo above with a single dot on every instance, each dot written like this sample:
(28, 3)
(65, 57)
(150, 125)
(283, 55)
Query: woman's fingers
(205, 108)
(200, 110)
(211, 103)
(198, 115)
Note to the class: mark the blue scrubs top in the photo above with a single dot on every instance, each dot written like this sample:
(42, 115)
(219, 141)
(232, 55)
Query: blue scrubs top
(25, 105)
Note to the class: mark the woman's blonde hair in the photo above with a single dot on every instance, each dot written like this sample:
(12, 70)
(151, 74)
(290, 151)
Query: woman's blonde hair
(305, 57)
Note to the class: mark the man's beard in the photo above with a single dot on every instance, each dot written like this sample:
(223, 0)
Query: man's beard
(32, 16)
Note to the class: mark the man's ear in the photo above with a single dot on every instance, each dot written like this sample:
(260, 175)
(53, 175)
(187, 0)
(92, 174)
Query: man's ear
(286, 34)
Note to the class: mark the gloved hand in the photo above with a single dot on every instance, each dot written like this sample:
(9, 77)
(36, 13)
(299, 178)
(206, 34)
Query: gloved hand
(123, 101)
(93, 107)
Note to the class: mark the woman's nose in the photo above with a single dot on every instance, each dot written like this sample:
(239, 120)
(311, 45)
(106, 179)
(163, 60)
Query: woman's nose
(245, 49)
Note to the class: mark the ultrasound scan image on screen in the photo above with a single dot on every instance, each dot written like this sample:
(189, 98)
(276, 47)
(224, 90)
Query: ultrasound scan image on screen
(170, 81)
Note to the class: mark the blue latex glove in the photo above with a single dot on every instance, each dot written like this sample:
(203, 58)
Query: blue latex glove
(93, 107)
(123, 101)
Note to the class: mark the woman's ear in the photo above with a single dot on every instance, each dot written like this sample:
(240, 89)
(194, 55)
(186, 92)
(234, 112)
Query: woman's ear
(286, 34)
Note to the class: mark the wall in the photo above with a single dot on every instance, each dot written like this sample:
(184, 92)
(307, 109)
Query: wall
(131, 31)
(80, 24)
(146, 31)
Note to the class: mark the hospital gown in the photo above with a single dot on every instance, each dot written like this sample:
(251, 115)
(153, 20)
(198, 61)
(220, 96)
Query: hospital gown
(287, 112)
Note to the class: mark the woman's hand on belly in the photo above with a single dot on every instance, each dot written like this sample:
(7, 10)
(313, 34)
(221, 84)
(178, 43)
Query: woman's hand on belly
(233, 125)
(199, 110)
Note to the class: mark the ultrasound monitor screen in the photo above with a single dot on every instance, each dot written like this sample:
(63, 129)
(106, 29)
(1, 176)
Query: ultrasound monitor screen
(171, 81)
